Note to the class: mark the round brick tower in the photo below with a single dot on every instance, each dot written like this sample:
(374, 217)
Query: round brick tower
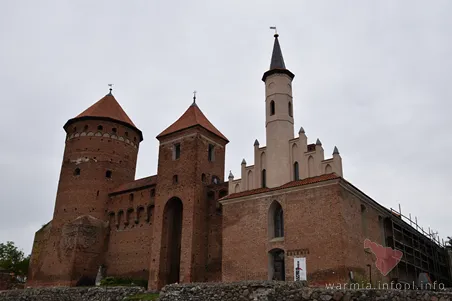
(100, 154)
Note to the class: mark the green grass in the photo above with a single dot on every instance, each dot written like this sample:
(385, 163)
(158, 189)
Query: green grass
(139, 297)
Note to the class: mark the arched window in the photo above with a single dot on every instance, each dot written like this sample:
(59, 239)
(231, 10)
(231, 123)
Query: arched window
(296, 173)
(131, 197)
(108, 174)
(203, 178)
(215, 180)
(264, 178)
(290, 109)
(99, 128)
(275, 220)
(175, 179)
(152, 192)
(272, 108)
(77, 172)
(279, 222)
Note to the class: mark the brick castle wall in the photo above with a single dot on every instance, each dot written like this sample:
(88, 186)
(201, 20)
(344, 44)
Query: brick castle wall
(321, 223)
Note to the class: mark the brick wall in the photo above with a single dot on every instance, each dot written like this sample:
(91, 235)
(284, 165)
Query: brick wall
(194, 171)
(83, 189)
(322, 222)
(130, 216)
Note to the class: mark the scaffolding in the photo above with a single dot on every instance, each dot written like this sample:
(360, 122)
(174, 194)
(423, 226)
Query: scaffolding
(423, 252)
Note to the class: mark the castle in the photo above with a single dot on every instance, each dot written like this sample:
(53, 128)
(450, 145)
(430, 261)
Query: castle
(187, 224)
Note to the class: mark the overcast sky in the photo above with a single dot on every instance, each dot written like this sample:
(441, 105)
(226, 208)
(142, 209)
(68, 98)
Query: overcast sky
(372, 77)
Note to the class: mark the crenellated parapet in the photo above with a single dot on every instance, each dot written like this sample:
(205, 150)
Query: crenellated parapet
(305, 161)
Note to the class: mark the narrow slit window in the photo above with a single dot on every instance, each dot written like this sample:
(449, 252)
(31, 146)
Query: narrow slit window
(211, 153)
(272, 108)
(176, 149)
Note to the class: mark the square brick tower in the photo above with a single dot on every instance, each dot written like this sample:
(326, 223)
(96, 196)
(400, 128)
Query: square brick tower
(191, 156)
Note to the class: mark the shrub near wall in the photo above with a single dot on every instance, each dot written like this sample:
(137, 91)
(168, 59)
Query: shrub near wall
(292, 291)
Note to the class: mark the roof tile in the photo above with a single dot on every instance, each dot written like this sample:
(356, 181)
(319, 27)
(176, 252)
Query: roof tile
(107, 107)
(302, 182)
(192, 117)
(143, 182)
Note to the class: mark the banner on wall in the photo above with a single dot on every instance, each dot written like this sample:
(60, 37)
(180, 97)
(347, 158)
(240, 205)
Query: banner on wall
(299, 264)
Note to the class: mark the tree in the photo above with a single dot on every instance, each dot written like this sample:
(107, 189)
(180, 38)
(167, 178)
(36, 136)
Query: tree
(13, 260)
(449, 241)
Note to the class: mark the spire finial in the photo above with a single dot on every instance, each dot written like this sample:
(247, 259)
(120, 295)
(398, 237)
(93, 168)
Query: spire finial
(194, 98)
(111, 88)
(276, 31)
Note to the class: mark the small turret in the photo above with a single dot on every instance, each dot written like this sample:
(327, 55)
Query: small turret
(230, 178)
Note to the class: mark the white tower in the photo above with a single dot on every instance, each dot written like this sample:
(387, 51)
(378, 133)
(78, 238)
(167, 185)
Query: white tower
(279, 118)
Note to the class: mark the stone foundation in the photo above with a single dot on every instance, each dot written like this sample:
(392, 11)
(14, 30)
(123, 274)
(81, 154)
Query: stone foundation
(293, 291)
(71, 294)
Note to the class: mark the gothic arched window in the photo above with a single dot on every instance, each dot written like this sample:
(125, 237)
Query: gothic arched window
(296, 172)
(290, 109)
(264, 178)
(279, 222)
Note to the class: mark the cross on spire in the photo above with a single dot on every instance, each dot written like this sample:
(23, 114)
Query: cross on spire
(111, 87)
(194, 96)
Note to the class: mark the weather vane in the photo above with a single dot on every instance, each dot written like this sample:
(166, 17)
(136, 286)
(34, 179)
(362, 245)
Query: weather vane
(111, 87)
(274, 27)
(194, 96)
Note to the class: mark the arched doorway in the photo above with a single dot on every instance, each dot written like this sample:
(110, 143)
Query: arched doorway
(277, 268)
(171, 240)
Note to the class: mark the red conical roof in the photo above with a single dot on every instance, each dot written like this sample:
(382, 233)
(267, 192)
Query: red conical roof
(192, 117)
(107, 107)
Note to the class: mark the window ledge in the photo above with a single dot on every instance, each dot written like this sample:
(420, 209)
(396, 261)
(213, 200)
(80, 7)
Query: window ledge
(276, 239)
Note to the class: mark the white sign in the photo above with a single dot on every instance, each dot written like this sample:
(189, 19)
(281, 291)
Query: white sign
(299, 268)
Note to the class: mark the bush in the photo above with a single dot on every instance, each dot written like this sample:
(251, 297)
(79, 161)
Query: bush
(113, 281)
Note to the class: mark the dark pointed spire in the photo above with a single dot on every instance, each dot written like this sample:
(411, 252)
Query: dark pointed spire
(277, 64)
(277, 61)
(335, 151)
